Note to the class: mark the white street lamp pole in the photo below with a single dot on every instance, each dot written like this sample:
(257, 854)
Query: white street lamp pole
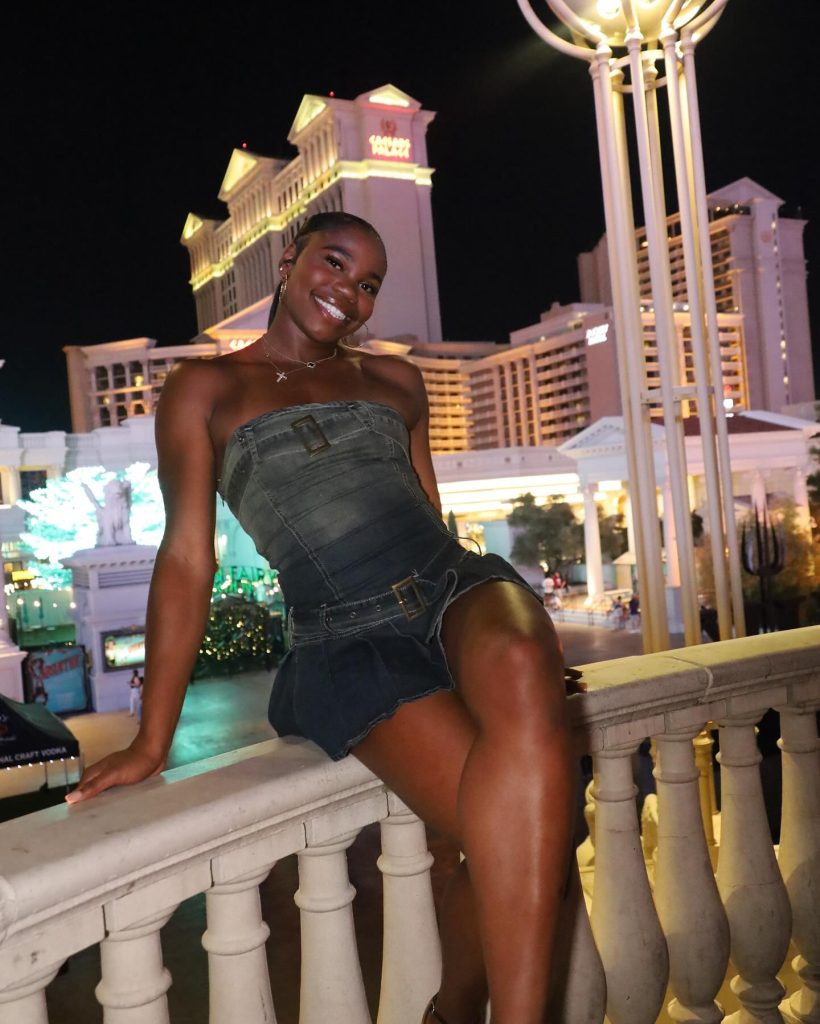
(637, 29)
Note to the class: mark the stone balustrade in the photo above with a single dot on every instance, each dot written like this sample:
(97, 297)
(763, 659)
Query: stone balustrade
(656, 946)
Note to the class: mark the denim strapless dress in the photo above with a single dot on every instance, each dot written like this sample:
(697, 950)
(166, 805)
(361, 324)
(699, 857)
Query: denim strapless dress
(329, 496)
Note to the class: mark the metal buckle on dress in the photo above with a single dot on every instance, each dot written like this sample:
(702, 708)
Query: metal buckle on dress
(409, 597)
(310, 434)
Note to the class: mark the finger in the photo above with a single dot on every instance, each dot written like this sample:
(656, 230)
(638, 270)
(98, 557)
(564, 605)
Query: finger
(92, 785)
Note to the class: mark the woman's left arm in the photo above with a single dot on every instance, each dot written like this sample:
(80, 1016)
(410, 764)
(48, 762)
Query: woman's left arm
(420, 445)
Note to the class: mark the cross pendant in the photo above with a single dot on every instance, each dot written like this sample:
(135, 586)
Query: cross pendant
(281, 376)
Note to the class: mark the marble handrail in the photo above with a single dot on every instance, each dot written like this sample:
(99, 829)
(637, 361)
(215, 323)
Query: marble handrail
(112, 871)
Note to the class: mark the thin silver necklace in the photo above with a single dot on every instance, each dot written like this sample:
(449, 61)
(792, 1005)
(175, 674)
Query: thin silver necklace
(309, 365)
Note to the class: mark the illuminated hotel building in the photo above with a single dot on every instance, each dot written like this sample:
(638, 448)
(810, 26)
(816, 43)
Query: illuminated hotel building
(760, 287)
(366, 156)
(551, 380)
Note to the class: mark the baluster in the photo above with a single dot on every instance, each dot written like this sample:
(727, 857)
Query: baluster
(689, 907)
(748, 878)
(134, 980)
(331, 985)
(579, 993)
(626, 928)
(238, 979)
(25, 1002)
(708, 800)
(800, 856)
(411, 952)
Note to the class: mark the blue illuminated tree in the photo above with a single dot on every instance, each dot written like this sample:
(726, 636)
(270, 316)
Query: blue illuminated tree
(60, 519)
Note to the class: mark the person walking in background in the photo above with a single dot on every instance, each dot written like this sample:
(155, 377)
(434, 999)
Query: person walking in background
(135, 695)
(634, 614)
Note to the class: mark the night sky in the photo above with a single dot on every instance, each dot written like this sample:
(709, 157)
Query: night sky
(121, 118)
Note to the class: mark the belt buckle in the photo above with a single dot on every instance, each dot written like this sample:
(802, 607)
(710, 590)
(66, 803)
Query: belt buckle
(310, 434)
(409, 597)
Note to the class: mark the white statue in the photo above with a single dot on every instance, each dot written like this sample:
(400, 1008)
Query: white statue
(113, 514)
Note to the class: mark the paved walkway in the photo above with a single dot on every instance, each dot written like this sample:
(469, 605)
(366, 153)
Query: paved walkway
(221, 714)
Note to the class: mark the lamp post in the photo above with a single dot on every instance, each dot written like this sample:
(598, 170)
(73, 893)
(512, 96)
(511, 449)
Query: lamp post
(633, 48)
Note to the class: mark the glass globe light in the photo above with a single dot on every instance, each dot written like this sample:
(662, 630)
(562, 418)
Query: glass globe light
(609, 17)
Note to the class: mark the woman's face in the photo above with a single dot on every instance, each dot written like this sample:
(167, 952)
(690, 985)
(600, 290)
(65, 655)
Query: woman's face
(333, 282)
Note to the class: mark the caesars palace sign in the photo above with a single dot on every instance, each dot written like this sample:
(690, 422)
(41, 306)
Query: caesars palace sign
(388, 144)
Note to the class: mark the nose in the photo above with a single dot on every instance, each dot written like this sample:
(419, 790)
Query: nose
(345, 287)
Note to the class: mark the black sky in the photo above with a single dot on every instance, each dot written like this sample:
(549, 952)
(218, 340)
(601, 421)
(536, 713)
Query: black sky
(121, 118)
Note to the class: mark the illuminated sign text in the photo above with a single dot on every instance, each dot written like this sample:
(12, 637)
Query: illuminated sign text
(597, 335)
(392, 146)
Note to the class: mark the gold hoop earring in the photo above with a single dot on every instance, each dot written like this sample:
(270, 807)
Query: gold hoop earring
(355, 341)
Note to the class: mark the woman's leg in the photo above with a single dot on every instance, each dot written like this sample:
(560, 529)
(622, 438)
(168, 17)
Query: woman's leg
(492, 766)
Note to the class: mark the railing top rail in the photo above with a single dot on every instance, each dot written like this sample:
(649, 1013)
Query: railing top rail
(69, 857)
(710, 675)
(64, 856)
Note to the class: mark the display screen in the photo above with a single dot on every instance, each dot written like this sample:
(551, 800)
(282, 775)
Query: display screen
(123, 648)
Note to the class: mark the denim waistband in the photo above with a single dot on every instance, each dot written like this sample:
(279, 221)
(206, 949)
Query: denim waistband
(407, 599)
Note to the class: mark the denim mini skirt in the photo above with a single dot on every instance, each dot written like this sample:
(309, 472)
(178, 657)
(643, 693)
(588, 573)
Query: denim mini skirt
(329, 496)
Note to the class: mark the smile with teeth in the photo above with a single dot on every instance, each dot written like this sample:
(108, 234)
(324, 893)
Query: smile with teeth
(330, 309)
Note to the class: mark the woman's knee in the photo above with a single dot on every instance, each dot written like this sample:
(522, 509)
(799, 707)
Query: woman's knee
(518, 675)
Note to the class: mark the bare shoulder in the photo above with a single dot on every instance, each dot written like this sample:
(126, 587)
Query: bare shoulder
(396, 373)
(193, 386)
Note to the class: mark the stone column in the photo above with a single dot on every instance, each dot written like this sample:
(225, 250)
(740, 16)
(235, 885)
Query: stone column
(624, 922)
(748, 877)
(758, 491)
(578, 993)
(26, 1003)
(411, 952)
(134, 981)
(331, 987)
(592, 543)
(689, 907)
(800, 855)
(238, 980)
(670, 535)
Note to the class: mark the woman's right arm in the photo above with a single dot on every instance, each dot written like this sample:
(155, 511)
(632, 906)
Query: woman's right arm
(180, 592)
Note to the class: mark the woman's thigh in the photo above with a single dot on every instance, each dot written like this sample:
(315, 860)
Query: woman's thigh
(505, 658)
(419, 752)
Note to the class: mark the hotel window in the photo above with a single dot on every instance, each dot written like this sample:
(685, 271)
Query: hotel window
(119, 375)
(30, 480)
(101, 378)
(137, 373)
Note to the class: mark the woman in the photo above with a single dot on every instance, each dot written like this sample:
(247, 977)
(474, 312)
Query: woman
(449, 691)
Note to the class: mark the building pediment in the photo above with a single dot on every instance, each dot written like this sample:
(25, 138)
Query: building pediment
(604, 436)
(193, 224)
(309, 109)
(241, 164)
(744, 190)
(389, 96)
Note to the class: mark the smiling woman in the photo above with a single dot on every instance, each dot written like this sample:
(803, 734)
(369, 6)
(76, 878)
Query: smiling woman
(436, 667)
